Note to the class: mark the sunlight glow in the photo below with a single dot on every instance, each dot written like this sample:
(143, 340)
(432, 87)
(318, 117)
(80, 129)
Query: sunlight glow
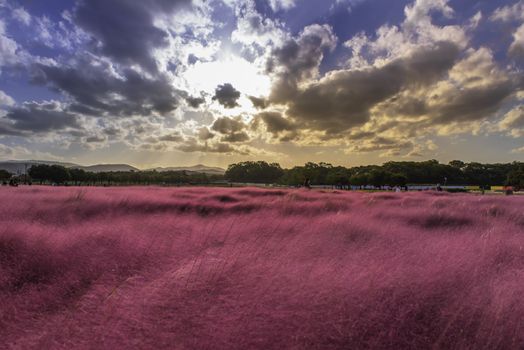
(243, 75)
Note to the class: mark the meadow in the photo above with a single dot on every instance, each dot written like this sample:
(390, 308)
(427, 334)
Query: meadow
(246, 268)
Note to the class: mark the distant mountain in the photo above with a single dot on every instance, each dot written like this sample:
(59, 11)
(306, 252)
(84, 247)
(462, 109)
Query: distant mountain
(100, 168)
(200, 168)
(19, 167)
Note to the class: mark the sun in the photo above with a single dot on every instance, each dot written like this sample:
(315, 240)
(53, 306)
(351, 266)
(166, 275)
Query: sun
(245, 76)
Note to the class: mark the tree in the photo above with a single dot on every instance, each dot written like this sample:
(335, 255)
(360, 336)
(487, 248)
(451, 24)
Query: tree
(256, 172)
(516, 179)
(359, 179)
(378, 177)
(78, 175)
(338, 176)
(53, 173)
(39, 172)
(457, 164)
(59, 174)
(4, 175)
(317, 173)
(398, 180)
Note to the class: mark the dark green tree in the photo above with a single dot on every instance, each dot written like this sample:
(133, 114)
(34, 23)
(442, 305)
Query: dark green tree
(78, 175)
(396, 179)
(256, 172)
(53, 173)
(359, 179)
(457, 164)
(516, 179)
(4, 175)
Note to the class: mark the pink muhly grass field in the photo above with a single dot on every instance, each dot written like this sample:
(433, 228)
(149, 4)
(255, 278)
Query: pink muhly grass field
(201, 268)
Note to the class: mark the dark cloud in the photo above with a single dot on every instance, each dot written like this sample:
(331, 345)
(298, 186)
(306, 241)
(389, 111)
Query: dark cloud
(259, 103)
(124, 30)
(343, 99)
(241, 136)
(227, 95)
(37, 118)
(406, 106)
(195, 102)
(384, 144)
(472, 104)
(95, 139)
(7, 129)
(173, 137)
(112, 131)
(96, 91)
(192, 59)
(231, 129)
(225, 125)
(298, 60)
(362, 135)
(275, 123)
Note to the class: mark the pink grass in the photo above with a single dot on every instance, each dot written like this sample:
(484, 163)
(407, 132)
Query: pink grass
(112, 268)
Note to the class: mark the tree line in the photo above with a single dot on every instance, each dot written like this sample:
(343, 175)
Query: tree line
(389, 174)
(43, 173)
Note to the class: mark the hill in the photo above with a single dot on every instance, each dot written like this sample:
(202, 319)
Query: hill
(200, 168)
(101, 168)
(20, 166)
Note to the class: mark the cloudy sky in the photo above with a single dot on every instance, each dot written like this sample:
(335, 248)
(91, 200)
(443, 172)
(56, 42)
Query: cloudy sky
(180, 82)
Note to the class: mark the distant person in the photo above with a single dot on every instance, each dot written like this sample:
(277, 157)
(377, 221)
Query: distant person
(307, 183)
(439, 188)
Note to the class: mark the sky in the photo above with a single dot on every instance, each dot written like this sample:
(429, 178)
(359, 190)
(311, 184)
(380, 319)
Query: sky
(180, 82)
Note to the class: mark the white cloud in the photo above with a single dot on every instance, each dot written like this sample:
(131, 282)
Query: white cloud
(517, 47)
(475, 20)
(509, 12)
(466, 89)
(419, 11)
(8, 152)
(20, 152)
(60, 34)
(255, 32)
(518, 150)
(6, 100)
(513, 122)
(392, 41)
(8, 48)
(22, 16)
(197, 20)
(277, 5)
